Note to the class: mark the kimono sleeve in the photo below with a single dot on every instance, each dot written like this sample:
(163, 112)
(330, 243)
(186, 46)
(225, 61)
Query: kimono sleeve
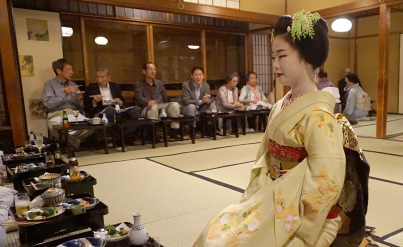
(324, 176)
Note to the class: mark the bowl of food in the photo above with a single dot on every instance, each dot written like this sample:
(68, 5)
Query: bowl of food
(53, 196)
(82, 242)
(114, 233)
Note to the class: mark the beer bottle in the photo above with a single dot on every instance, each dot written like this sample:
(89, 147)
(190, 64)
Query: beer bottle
(118, 116)
(65, 119)
(74, 170)
(58, 153)
(31, 138)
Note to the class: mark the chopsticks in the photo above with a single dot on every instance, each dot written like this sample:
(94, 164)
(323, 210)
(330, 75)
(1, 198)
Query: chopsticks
(34, 186)
(18, 223)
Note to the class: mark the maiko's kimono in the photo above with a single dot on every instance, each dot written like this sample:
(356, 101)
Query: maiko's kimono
(295, 183)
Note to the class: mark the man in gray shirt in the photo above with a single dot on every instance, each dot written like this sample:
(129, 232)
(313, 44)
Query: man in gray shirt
(60, 93)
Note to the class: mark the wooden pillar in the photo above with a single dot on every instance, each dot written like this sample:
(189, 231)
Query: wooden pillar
(203, 50)
(11, 74)
(85, 54)
(355, 69)
(249, 52)
(150, 43)
(383, 70)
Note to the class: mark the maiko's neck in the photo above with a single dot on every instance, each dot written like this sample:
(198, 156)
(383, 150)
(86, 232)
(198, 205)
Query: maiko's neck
(305, 83)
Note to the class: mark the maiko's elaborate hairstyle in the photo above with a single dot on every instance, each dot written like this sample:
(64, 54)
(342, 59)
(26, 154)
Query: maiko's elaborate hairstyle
(313, 47)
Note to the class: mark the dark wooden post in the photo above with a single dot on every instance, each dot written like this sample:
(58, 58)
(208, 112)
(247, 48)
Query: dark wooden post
(383, 70)
(12, 84)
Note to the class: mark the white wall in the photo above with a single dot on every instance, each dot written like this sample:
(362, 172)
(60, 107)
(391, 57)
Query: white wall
(43, 52)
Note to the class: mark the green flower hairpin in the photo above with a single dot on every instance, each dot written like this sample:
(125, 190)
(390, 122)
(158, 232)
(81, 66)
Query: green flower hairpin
(302, 24)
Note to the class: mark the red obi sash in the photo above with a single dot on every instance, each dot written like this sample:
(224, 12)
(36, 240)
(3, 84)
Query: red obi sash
(295, 153)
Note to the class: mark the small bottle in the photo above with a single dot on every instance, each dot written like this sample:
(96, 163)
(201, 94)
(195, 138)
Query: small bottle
(163, 114)
(74, 170)
(31, 138)
(58, 153)
(118, 116)
(104, 119)
(65, 119)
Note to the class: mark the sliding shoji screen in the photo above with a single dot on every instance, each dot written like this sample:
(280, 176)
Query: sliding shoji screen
(262, 62)
(233, 4)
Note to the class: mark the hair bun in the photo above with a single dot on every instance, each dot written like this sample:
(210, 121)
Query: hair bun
(314, 50)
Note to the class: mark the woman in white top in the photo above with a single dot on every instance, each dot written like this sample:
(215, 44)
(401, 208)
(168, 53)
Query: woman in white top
(251, 92)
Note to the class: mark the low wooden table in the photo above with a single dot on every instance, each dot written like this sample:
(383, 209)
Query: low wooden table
(263, 115)
(72, 188)
(120, 243)
(60, 167)
(83, 126)
(31, 235)
(135, 123)
(15, 161)
(185, 120)
(214, 117)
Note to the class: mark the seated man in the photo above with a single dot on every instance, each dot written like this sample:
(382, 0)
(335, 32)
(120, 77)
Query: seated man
(195, 94)
(102, 97)
(150, 96)
(60, 93)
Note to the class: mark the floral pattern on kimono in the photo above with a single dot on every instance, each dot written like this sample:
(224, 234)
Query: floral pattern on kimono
(288, 215)
(234, 223)
(322, 198)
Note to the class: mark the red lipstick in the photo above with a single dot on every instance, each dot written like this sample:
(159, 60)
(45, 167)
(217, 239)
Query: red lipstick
(279, 74)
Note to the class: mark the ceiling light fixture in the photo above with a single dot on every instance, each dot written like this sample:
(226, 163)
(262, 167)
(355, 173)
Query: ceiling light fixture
(67, 31)
(342, 25)
(194, 47)
(101, 40)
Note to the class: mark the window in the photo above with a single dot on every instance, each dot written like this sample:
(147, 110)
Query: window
(72, 48)
(262, 62)
(225, 54)
(234, 4)
(176, 52)
(124, 54)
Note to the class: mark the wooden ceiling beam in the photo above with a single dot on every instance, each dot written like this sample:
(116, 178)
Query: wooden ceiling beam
(192, 9)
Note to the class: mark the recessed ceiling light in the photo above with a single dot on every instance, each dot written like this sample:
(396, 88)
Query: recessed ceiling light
(101, 40)
(194, 47)
(341, 25)
(67, 31)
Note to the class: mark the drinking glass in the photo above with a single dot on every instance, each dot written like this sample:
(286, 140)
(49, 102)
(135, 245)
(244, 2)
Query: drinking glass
(50, 160)
(76, 113)
(21, 203)
(39, 141)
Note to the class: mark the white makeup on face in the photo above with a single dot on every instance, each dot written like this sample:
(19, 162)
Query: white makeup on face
(287, 63)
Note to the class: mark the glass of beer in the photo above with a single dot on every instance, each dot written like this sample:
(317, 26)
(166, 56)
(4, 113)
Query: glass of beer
(50, 161)
(21, 203)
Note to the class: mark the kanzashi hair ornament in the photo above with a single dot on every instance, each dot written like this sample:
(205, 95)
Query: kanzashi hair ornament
(302, 24)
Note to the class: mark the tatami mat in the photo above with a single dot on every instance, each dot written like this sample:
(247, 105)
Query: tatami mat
(386, 167)
(237, 175)
(368, 128)
(138, 151)
(210, 159)
(381, 145)
(156, 191)
(184, 230)
(385, 208)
